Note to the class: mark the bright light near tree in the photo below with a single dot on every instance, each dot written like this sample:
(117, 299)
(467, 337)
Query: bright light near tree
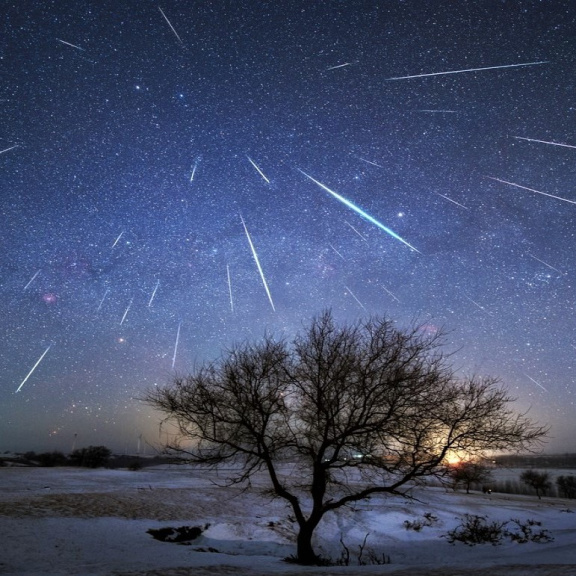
(454, 458)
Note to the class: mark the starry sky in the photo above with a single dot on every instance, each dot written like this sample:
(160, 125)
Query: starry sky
(178, 177)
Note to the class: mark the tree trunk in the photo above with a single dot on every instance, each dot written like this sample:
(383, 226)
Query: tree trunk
(304, 551)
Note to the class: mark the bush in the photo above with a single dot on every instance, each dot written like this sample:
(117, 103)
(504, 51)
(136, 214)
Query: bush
(49, 459)
(135, 465)
(91, 457)
(428, 519)
(525, 532)
(370, 559)
(181, 534)
(476, 530)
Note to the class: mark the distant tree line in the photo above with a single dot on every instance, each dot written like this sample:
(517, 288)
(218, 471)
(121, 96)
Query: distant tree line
(540, 482)
(89, 457)
(478, 476)
(538, 461)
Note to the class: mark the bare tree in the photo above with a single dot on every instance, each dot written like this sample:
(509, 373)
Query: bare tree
(540, 481)
(567, 486)
(469, 473)
(355, 410)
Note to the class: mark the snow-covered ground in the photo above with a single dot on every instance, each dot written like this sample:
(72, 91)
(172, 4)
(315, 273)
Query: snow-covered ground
(95, 522)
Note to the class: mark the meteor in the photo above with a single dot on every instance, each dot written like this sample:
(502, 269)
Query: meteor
(176, 345)
(453, 201)
(259, 171)
(172, 27)
(532, 190)
(7, 149)
(69, 44)
(339, 66)
(31, 279)
(118, 239)
(479, 306)
(126, 312)
(153, 293)
(361, 235)
(337, 252)
(537, 383)
(353, 296)
(390, 293)
(230, 288)
(438, 111)
(103, 298)
(193, 171)
(544, 142)
(258, 264)
(360, 211)
(33, 368)
(369, 162)
(545, 264)
(469, 70)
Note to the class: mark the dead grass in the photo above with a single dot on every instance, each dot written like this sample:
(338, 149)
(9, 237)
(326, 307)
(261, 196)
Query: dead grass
(156, 504)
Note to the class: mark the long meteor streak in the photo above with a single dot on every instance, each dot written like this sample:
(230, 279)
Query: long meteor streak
(337, 252)
(544, 142)
(176, 345)
(70, 44)
(33, 368)
(532, 190)
(258, 169)
(537, 383)
(258, 264)
(118, 239)
(360, 211)
(453, 201)
(171, 27)
(32, 279)
(153, 293)
(230, 288)
(369, 162)
(437, 111)
(479, 306)
(359, 234)
(468, 70)
(7, 149)
(126, 312)
(102, 301)
(354, 296)
(546, 264)
(194, 168)
(390, 293)
(339, 66)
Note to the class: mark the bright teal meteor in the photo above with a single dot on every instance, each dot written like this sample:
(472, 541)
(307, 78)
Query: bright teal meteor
(360, 211)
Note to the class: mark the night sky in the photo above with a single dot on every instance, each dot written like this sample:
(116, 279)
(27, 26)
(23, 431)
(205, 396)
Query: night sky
(178, 177)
